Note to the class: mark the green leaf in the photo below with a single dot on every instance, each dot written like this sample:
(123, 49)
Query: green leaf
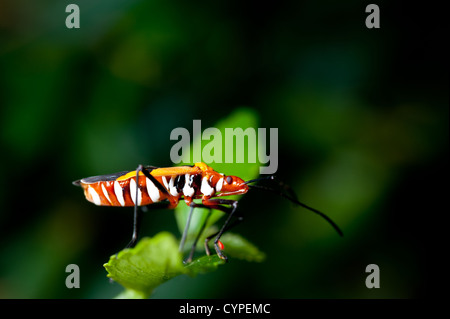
(243, 118)
(155, 260)
(203, 265)
(152, 262)
(238, 247)
(131, 294)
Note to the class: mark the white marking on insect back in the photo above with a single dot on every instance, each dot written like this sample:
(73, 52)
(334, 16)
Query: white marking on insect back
(152, 191)
(119, 193)
(105, 193)
(188, 190)
(172, 189)
(95, 197)
(133, 192)
(191, 180)
(206, 189)
(219, 184)
(165, 182)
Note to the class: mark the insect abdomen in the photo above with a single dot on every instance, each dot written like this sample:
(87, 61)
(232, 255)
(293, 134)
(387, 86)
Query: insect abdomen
(122, 192)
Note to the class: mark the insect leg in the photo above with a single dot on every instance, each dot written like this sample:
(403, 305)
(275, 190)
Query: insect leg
(212, 204)
(227, 228)
(186, 228)
(137, 217)
(215, 204)
(191, 253)
(147, 174)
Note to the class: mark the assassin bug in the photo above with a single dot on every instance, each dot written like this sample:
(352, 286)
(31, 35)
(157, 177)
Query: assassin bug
(148, 185)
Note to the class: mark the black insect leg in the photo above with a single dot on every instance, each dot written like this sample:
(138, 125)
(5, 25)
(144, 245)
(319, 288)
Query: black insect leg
(227, 228)
(137, 216)
(194, 245)
(216, 204)
(212, 204)
(186, 227)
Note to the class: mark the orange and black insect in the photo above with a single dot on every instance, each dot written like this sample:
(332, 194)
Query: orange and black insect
(148, 184)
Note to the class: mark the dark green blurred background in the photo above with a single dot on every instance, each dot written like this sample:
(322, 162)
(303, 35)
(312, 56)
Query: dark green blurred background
(363, 134)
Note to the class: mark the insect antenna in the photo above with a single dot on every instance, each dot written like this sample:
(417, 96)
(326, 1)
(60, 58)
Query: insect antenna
(293, 198)
(259, 179)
